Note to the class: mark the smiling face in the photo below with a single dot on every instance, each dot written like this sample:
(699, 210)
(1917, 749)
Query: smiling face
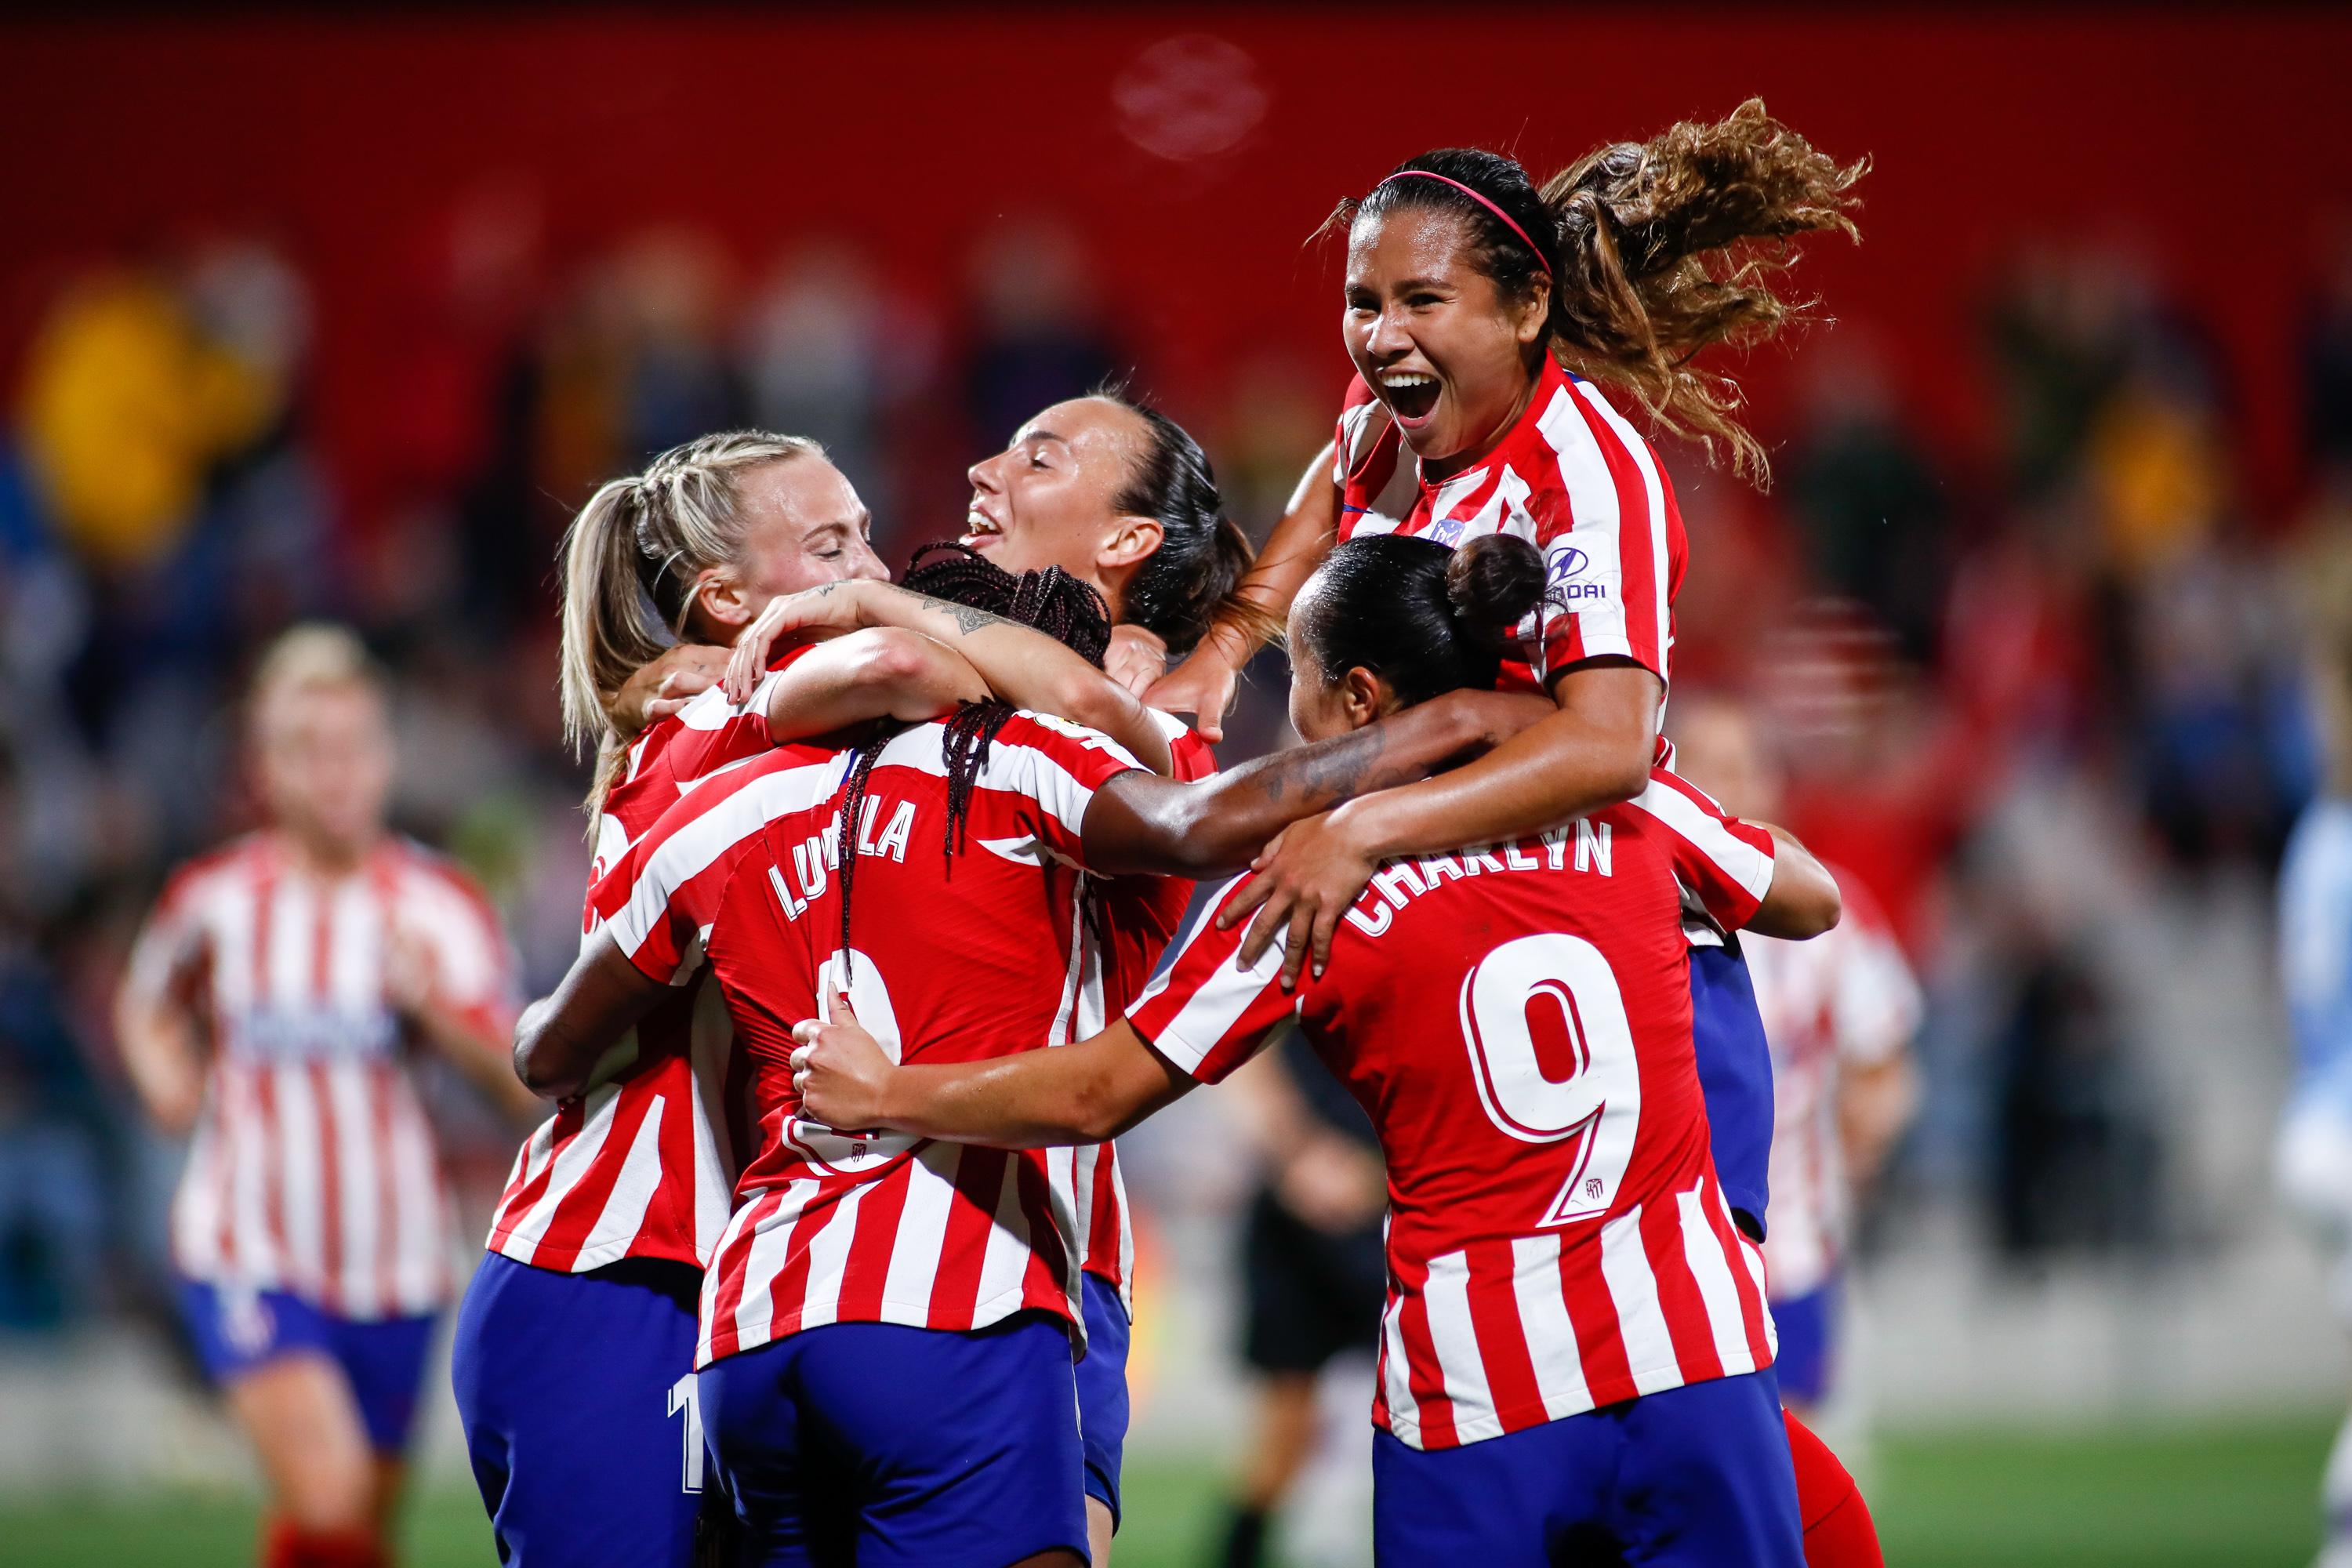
(1051, 498)
(1454, 360)
(803, 526)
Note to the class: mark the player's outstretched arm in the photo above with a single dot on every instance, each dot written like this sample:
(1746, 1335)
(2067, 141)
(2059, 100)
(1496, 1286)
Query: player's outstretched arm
(878, 673)
(1089, 1092)
(562, 1038)
(1027, 667)
(1141, 824)
(1803, 899)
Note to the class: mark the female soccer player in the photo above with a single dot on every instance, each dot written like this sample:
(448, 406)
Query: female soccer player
(277, 1003)
(749, 857)
(1841, 1013)
(1482, 315)
(1557, 1240)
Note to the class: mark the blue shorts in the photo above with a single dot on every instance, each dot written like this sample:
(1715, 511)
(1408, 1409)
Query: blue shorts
(577, 1393)
(1695, 1477)
(237, 1330)
(881, 1444)
(1735, 1077)
(1808, 1325)
(1102, 1391)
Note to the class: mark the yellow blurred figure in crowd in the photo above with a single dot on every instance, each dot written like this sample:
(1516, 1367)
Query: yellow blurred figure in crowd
(126, 407)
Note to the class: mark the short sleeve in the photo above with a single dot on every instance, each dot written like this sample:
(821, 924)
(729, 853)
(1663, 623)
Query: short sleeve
(473, 963)
(658, 901)
(710, 733)
(1604, 518)
(1206, 1014)
(1191, 758)
(171, 945)
(1727, 863)
(1055, 767)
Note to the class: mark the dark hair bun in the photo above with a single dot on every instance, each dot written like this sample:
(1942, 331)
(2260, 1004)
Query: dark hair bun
(1493, 582)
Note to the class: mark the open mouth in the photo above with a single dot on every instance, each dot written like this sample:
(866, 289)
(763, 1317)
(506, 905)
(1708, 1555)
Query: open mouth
(1410, 395)
(980, 532)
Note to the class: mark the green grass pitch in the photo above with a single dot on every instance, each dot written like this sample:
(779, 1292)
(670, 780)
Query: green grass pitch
(2162, 1497)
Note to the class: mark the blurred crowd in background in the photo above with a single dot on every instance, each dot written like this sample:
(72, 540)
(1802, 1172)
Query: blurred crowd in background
(2009, 697)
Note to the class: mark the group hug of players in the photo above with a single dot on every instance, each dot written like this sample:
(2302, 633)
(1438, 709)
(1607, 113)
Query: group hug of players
(825, 1255)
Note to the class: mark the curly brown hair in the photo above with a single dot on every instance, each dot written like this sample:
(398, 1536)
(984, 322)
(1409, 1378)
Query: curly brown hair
(1652, 252)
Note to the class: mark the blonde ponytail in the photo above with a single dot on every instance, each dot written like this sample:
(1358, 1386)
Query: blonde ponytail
(630, 561)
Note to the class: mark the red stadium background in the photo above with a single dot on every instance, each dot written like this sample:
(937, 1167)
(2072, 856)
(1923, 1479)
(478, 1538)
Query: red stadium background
(2062, 494)
(2187, 132)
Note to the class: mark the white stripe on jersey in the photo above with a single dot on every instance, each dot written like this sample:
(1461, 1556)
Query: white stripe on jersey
(1655, 493)
(922, 1234)
(1744, 863)
(1552, 1348)
(1704, 1252)
(1446, 1295)
(1592, 507)
(828, 1259)
(1634, 1288)
(624, 1208)
(572, 1161)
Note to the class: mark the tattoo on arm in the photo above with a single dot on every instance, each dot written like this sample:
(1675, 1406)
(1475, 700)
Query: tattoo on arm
(968, 620)
(1326, 772)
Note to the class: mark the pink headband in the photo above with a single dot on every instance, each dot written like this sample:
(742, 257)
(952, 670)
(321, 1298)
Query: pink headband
(1541, 258)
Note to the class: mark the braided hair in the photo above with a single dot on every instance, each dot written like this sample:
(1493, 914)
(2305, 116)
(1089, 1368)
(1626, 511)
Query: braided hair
(1066, 608)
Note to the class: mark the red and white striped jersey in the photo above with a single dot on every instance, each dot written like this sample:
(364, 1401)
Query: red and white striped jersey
(1573, 477)
(1517, 1021)
(642, 1164)
(1845, 999)
(954, 956)
(1141, 915)
(313, 1168)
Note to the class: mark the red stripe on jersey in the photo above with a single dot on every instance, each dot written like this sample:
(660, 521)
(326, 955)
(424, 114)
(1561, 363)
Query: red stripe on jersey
(381, 1085)
(724, 1290)
(1599, 1340)
(330, 1192)
(578, 1210)
(788, 1293)
(229, 1094)
(1432, 1408)
(1502, 1338)
(1644, 575)
(979, 1183)
(1678, 1298)
(1048, 1271)
(1754, 1316)
(867, 1269)
(272, 1140)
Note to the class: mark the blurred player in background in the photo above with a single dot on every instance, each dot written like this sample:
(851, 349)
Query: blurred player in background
(1841, 1011)
(2314, 1149)
(278, 1005)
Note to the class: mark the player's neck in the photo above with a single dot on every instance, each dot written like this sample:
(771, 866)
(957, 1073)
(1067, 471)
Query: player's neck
(323, 857)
